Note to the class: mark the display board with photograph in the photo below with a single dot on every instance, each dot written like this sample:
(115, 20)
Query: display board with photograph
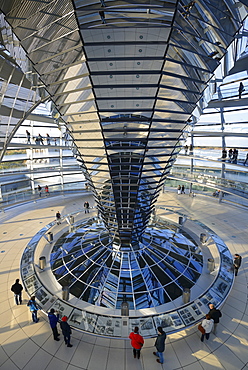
(32, 284)
(27, 270)
(109, 326)
(62, 307)
(169, 322)
(145, 324)
(83, 320)
(191, 313)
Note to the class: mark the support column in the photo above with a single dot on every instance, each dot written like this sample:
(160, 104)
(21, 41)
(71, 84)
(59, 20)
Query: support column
(61, 162)
(191, 152)
(32, 161)
(223, 165)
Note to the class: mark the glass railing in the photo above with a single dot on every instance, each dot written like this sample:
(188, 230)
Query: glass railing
(66, 141)
(214, 181)
(41, 168)
(23, 195)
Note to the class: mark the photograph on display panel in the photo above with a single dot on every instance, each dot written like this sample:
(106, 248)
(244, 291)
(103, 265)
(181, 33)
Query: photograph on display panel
(32, 284)
(76, 319)
(191, 313)
(43, 296)
(62, 308)
(169, 322)
(197, 310)
(28, 256)
(27, 271)
(83, 320)
(227, 276)
(226, 258)
(221, 287)
(145, 325)
(210, 297)
(108, 326)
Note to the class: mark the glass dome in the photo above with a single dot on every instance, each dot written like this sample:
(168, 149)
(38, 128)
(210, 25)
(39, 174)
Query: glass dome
(91, 263)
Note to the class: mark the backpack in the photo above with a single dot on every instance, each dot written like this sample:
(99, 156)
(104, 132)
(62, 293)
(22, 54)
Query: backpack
(32, 306)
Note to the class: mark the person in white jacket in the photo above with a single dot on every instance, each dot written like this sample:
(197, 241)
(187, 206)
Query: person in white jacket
(207, 324)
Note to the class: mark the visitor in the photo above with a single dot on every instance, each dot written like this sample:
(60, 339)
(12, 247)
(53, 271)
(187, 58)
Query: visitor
(17, 289)
(215, 314)
(179, 189)
(66, 331)
(137, 342)
(53, 320)
(235, 155)
(86, 207)
(39, 188)
(33, 309)
(237, 263)
(207, 325)
(47, 190)
(216, 193)
(48, 139)
(58, 218)
(224, 154)
(160, 345)
(40, 139)
(28, 137)
(241, 89)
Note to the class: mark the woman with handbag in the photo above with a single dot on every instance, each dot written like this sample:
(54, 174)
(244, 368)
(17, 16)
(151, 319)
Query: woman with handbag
(207, 324)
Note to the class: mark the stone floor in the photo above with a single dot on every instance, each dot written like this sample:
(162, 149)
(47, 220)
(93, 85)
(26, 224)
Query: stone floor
(29, 346)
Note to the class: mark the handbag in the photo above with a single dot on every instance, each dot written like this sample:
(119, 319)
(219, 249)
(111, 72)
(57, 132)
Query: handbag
(201, 328)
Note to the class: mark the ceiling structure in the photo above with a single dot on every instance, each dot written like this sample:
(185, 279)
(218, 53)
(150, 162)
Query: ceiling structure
(126, 78)
(18, 94)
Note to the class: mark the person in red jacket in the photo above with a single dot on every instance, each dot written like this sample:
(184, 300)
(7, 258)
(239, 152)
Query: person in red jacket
(137, 342)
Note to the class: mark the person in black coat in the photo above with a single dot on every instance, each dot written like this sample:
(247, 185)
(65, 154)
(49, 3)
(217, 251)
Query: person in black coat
(17, 289)
(53, 319)
(86, 207)
(160, 345)
(66, 330)
(215, 314)
(237, 263)
(58, 218)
